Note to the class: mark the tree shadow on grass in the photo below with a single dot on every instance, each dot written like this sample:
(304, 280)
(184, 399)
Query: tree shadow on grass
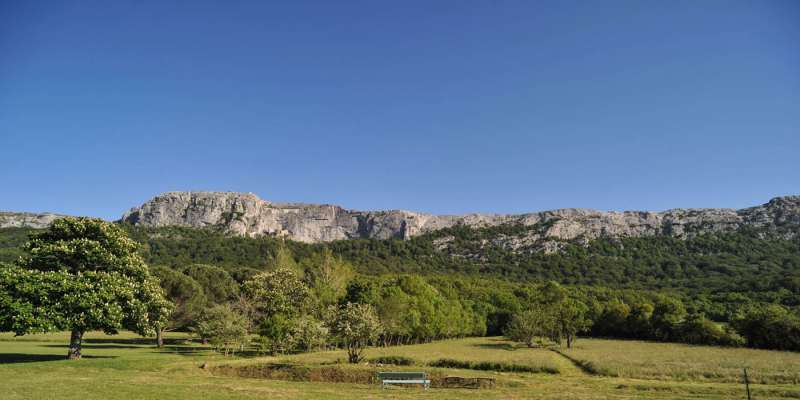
(143, 340)
(97, 346)
(15, 358)
(496, 346)
(184, 350)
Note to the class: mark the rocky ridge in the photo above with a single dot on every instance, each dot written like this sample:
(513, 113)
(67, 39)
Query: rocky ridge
(10, 219)
(247, 215)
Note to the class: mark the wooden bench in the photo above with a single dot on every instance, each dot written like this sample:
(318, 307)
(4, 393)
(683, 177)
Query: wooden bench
(404, 378)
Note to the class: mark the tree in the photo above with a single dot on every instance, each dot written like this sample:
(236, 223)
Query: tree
(308, 333)
(525, 326)
(283, 259)
(274, 300)
(277, 292)
(218, 286)
(187, 295)
(571, 318)
(356, 326)
(327, 276)
(223, 327)
(770, 326)
(668, 313)
(81, 274)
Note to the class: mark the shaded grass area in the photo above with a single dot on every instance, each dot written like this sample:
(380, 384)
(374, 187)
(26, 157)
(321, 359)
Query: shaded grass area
(673, 361)
(140, 371)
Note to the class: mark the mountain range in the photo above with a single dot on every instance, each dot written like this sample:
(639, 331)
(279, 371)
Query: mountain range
(245, 214)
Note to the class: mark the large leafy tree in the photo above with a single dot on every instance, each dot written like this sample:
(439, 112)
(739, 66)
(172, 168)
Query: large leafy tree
(356, 326)
(81, 274)
(526, 326)
(275, 300)
(277, 292)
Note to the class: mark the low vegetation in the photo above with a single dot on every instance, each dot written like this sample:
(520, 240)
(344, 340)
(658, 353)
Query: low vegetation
(669, 361)
(126, 366)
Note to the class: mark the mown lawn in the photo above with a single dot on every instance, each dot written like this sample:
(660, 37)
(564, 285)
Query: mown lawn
(125, 367)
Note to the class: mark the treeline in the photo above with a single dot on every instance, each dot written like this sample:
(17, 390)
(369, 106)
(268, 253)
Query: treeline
(726, 289)
(759, 266)
(296, 298)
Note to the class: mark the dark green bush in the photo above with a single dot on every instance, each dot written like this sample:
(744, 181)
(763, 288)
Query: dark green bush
(490, 366)
(393, 360)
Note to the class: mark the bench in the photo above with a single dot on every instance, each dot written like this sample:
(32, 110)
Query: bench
(404, 378)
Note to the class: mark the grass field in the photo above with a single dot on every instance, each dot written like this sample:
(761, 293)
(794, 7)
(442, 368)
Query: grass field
(126, 367)
(668, 361)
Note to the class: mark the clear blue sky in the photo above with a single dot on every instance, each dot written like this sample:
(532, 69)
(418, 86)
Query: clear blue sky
(437, 106)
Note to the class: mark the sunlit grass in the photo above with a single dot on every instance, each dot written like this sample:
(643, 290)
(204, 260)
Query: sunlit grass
(126, 367)
(672, 361)
(493, 350)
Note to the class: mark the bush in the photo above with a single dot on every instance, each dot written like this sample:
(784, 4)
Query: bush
(490, 366)
(393, 360)
(450, 363)
(223, 327)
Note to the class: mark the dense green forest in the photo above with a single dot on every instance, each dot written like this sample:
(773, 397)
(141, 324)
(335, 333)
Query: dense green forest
(728, 288)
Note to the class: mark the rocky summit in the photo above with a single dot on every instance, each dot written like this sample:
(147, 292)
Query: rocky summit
(26, 220)
(247, 215)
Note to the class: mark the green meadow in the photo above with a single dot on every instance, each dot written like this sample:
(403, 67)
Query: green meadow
(127, 366)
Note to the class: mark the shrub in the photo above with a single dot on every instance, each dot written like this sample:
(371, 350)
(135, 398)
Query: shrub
(491, 366)
(393, 360)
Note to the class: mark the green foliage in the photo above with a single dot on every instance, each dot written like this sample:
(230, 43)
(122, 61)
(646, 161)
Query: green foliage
(279, 292)
(770, 327)
(34, 301)
(223, 327)
(81, 274)
(535, 322)
(76, 245)
(218, 286)
(457, 282)
(356, 326)
(488, 366)
(327, 276)
(12, 241)
(411, 309)
(183, 291)
(308, 333)
(393, 360)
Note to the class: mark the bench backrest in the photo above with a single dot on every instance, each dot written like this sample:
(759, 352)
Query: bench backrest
(402, 375)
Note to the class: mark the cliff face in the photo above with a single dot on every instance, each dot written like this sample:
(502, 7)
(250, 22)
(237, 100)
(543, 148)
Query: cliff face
(26, 220)
(246, 214)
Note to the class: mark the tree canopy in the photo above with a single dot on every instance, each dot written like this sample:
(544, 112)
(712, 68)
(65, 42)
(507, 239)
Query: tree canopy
(81, 274)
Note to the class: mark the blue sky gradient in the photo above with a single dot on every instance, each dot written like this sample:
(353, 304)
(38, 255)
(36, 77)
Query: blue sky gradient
(443, 107)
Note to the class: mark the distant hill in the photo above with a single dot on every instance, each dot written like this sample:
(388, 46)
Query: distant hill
(245, 214)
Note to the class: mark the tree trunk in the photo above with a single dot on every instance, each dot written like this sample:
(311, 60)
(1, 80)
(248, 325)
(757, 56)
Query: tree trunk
(75, 340)
(160, 337)
(569, 341)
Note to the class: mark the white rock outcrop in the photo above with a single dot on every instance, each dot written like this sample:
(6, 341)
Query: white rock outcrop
(10, 219)
(247, 215)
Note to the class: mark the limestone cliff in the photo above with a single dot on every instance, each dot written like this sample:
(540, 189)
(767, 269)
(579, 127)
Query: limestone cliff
(246, 214)
(26, 220)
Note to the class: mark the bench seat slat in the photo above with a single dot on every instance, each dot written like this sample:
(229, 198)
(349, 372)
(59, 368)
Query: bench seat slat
(409, 381)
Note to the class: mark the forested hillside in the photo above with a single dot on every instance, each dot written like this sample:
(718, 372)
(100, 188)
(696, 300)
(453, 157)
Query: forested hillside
(459, 281)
